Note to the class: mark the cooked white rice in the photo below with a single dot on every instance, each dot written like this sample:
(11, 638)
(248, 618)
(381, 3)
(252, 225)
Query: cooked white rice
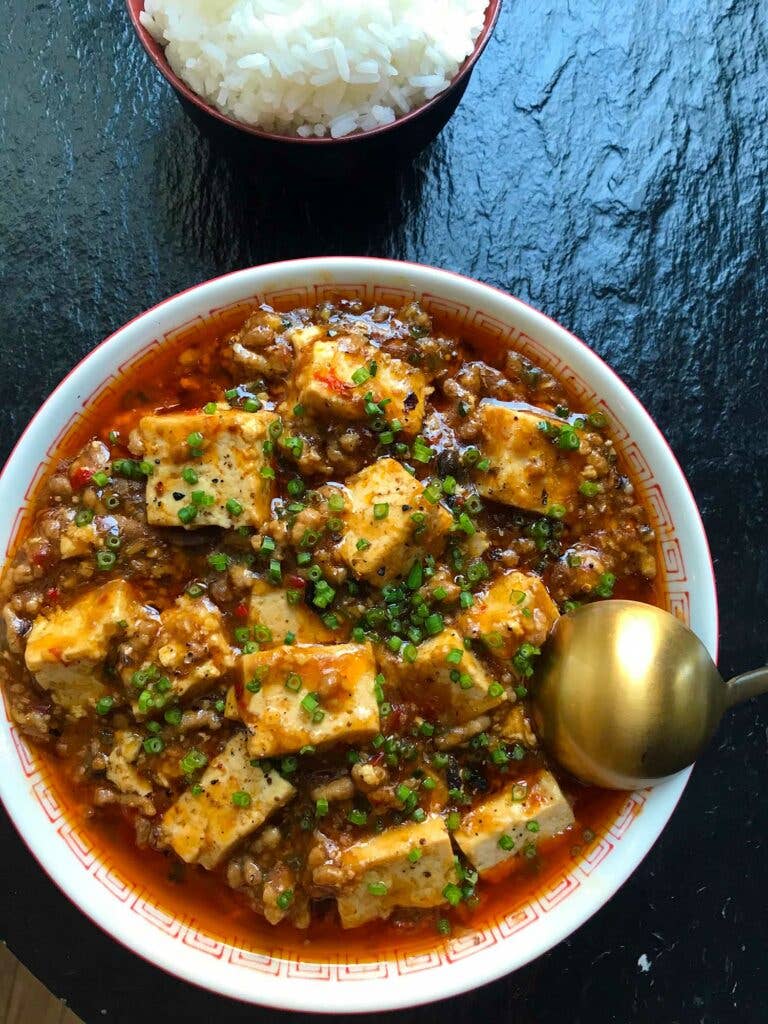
(316, 67)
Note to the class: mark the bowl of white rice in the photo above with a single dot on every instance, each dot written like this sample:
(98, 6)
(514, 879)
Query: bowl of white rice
(351, 76)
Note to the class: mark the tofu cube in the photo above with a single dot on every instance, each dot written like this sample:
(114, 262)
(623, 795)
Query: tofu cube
(293, 696)
(380, 550)
(384, 859)
(527, 470)
(324, 380)
(229, 491)
(191, 649)
(66, 650)
(515, 609)
(120, 769)
(203, 829)
(270, 608)
(429, 684)
(544, 807)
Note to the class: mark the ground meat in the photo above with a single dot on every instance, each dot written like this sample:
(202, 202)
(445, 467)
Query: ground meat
(336, 789)
(104, 797)
(200, 718)
(32, 712)
(16, 629)
(462, 733)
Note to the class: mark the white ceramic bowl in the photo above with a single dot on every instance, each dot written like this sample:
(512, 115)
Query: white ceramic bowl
(123, 907)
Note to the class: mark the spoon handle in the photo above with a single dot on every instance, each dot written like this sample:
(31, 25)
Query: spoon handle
(748, 684)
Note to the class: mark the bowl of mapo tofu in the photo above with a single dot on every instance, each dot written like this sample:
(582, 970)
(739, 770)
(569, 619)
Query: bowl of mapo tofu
(272, 607)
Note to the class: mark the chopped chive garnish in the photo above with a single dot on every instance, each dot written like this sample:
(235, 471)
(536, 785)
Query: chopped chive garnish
(104, 705)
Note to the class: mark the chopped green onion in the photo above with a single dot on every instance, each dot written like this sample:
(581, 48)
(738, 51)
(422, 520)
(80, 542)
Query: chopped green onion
(434, 624)
(321, 807)
(466, 524)
(409, 653)
(187, 513)
(241, 799)
(381, 510)
(105, 560)
(605, 585)
(324, 594)
(415, 577)
(209, 408)
(357, 817)
(153, 745)
(193, 761)
(506, 842)
(452, 893)
(378, 888)
(293, 682)
(285, 899)
(275, 571)
(104, 705)
(310, 703)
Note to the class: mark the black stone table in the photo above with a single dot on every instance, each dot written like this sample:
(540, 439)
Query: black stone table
(608, 165)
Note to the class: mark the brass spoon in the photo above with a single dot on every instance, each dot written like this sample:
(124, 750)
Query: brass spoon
(626, 695)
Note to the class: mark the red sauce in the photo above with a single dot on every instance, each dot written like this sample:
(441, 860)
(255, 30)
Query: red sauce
(194, 893)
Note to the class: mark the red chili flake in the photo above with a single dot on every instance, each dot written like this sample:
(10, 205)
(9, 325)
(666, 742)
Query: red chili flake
(241, 611)
(334, 383)
(295, 582)
(52, 593)
(81, 477)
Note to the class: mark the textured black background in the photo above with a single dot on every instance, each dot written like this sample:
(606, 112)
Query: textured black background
(608, 165)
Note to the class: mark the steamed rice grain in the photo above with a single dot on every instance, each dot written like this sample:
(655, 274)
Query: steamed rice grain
(316, 67)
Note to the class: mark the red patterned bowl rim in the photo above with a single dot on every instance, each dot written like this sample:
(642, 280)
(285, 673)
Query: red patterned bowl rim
(126, 911)
(157, 56)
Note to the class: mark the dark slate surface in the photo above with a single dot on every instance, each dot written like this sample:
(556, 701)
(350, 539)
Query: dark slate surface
(608, 165)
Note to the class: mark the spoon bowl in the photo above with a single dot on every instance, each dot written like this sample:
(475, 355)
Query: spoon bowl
(625, 695)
